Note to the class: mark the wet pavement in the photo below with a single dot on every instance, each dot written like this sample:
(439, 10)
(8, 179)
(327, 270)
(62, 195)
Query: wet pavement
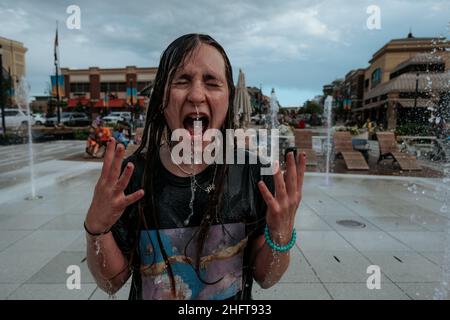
(404, 233)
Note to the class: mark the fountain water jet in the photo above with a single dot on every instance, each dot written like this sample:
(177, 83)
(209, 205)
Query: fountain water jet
(328, 107)
(274, 110)
(22, 97)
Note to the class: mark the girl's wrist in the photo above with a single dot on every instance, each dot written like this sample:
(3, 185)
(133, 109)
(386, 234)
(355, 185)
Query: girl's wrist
(94, 229)
(281, 236)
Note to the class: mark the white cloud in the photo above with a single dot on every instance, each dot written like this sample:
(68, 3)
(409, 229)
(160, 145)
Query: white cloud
(295, 44)
(13, 21)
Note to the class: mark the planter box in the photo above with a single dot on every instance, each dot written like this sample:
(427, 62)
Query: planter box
(362, 136)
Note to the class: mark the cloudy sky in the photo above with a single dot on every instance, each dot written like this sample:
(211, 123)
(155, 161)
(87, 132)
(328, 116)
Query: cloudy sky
(294, 46)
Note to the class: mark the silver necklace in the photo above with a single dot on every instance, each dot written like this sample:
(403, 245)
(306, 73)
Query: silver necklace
(209, 188)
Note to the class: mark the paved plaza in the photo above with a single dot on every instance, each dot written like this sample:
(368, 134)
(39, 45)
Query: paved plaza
(404, 232)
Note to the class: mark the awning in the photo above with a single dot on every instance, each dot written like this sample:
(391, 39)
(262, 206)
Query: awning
(407, 83)
(112, 103)
(116, 103)
(72, 103)
(421, 103)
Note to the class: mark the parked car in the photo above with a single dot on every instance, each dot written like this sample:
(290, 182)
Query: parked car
(112, 119)
(15, 118)
(124, 114)
(70, 119)
(39, 118)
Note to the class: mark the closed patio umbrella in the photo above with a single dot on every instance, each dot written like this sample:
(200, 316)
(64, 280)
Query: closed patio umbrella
(242, 105)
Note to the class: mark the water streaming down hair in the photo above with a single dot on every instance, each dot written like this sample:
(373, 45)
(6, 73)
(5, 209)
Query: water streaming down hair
(156, 129)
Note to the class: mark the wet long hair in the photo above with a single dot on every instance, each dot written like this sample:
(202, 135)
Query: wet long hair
(157, 130)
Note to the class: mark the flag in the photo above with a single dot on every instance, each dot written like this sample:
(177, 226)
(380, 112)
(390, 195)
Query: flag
(347, 104)
(132, 93)
(60, 85)
(56, 48)
(106, 100)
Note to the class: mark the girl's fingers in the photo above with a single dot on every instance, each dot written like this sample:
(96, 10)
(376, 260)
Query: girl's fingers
(269, 199)
(117, 163)
(125, 178)
(301, 168)
(108, 158)
(280, 187)
(132, 198)
(291, 175)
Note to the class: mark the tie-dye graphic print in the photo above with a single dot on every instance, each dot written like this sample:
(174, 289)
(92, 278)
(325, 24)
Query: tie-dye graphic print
(222, 259)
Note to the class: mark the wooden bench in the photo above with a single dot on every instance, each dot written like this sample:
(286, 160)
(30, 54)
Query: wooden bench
(303, 142)
(343, 147)
(389, 149)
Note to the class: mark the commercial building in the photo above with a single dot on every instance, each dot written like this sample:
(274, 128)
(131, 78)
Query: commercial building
(406, 78)
(13, 64)
(99, 89)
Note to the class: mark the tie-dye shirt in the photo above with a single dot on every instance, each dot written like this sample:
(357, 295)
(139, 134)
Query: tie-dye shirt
(223, 270)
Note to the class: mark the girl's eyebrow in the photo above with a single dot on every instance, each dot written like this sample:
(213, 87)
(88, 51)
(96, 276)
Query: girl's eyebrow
(206, 77)
(183, 76)
(209, 76)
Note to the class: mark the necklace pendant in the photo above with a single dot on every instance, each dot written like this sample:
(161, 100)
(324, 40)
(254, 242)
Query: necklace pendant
(210, 188)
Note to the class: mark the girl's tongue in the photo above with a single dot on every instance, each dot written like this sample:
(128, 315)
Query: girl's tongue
(193, 125)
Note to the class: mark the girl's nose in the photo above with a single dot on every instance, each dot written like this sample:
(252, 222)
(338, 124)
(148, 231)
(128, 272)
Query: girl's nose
(196, 94)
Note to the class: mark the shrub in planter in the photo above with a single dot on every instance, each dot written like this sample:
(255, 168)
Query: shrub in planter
(9, 139)
(412, 129)
(81, 134)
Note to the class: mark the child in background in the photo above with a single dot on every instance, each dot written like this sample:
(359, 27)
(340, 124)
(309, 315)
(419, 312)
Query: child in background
(91, 143)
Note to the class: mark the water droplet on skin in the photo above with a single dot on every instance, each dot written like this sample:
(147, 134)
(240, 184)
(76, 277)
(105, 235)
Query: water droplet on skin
(97, 246)
(193, 185)
(109, 287)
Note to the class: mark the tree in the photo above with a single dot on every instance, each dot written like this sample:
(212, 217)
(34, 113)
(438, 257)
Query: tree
(312, 107)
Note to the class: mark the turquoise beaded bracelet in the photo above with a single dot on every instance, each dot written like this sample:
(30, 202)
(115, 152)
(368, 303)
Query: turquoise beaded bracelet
(277, 247)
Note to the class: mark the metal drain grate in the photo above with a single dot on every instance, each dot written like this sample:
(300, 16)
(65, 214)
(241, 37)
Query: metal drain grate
(351, 223)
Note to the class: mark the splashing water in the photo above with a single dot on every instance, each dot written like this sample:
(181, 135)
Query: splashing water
(97, 246)
(22, 98)
(328, 107)
(109, 287)
(441, 293)
(191, 202)
(194, 155)
(274, 110)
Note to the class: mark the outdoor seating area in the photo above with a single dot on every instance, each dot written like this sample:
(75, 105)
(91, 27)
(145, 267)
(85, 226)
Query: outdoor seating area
(389, 149)
(303, 143)
(356, 154)
(343, 148)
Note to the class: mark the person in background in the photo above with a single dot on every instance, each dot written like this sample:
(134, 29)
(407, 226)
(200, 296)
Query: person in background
(91, 144)
(301, 124)
(370, 127)
(104, 135)
(120, 137)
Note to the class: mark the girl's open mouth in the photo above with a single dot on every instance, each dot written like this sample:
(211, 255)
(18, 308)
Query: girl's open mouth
(195, 122)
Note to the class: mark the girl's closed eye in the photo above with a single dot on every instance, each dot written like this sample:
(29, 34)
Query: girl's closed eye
(214, 84)
(182, 80)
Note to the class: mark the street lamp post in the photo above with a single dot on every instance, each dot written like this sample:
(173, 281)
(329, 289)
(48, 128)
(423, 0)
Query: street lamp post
(57, 93)
(2, 104)
(417, 91)
(131, 94)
